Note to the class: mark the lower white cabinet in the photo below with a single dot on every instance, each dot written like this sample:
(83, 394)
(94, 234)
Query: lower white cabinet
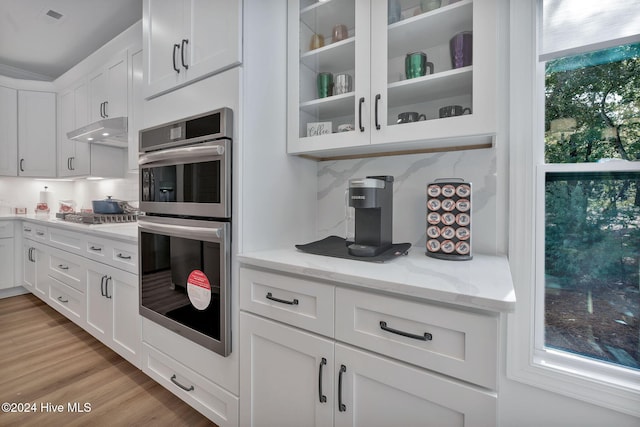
(286, 375)
(67, 300)
(34, 269)
(112, 310)
(208, 398)
(293, 377)
(7, 257)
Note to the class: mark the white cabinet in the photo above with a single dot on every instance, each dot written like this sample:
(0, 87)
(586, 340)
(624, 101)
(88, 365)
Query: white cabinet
(112, 310)
(373, 53)
(108, 90)
(286, 375)
(34, 269)
(7, 257)
(376, 391)
(36, 133)
(73, 156)
(136, 103)
(8, 131)
(322, 381)
(187, 40)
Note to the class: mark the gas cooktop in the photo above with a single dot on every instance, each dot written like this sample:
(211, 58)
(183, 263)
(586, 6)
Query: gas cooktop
(94, 218)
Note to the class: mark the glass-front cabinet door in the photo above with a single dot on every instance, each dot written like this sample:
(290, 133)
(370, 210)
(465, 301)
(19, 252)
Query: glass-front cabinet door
(391, 76)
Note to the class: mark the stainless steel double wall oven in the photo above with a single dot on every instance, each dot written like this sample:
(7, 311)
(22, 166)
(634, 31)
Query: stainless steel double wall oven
(185, 232)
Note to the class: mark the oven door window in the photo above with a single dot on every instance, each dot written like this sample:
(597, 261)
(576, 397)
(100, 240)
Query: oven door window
(190, 183)
(181, 280)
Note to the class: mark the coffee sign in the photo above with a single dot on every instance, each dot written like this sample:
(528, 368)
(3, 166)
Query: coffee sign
(319, 128)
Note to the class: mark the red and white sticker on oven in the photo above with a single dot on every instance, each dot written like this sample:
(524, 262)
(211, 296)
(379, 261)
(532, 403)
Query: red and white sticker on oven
(199, 289)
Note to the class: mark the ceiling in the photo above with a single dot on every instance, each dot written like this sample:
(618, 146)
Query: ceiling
(35, 46)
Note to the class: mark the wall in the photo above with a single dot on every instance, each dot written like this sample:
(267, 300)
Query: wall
(411, 174)
(25, 192)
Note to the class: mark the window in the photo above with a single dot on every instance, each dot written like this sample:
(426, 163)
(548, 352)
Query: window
(591, 224)
(574, 234)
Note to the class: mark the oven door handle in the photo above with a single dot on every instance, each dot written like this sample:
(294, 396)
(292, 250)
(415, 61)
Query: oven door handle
(182, 153)
(214, 234)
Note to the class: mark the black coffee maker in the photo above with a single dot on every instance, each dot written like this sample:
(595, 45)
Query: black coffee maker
(372, 200)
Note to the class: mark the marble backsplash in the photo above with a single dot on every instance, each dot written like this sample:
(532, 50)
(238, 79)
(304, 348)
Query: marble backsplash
(411, 174)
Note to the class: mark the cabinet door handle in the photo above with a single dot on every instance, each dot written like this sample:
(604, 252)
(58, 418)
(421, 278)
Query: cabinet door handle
(182, 49)
(63, 300)
(176, 69)
(106, 287)
(282, 301)
(63, 267)
(102, 110)
(123, 256)
(68, 163)
(102, 292)
(377, 124)
(106, 114)
(341, 406)
(21, 165)
(426, 337)
(30, 256)
(360, 113)
(323, 398)
(73, 166)
(175, 381)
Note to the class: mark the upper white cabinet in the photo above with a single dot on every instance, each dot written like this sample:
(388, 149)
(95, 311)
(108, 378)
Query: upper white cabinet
(36, 133)
(449, 101)
(108, 89)
(8, 131)
(187, 40)
(136, 102)
(73, 156)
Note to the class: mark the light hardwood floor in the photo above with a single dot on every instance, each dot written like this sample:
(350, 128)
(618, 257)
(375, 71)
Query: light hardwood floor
(45, 358)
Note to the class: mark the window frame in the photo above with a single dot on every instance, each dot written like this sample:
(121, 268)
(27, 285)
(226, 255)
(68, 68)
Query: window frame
(596, 382)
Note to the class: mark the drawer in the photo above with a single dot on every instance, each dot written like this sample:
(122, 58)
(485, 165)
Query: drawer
(299, 302)
(124, 256)
(67, 268)
(459, 343)
(67, 301)
(6, 229)
(35, 232)
(96, 249)
(215, 403)
(67, 240)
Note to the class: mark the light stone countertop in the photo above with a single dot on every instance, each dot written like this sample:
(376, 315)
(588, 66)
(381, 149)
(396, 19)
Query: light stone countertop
(127, 232)
(483, 283)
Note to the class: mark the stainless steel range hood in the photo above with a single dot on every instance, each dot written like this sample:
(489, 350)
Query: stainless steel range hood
(111, 132)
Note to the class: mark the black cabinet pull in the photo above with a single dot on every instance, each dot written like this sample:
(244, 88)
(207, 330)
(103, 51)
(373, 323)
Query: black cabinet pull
(341, 406)
(63, 267)
(182, 49)
(102, 291)
(63, 300)
(176, 69)
(21, 165)
(123, 256)
(426, 337)
(102, 110)
(93, 248)
(40, 233)
(175, 381)
(73, 166)
(106, 104)
(31, 258)
(106, 287)
(272, 298)
(323, 398)
(377, 99)
(68, 163)
(360, 113)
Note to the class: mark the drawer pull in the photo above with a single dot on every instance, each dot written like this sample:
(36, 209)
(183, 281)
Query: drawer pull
(123, 256)
(341, 406)
(28, 230)
(63, 267)
(93, 248)
(63, 300)
(40, 233)
(175, 381)
(272, 298)
(323, 398)
(426, 337)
